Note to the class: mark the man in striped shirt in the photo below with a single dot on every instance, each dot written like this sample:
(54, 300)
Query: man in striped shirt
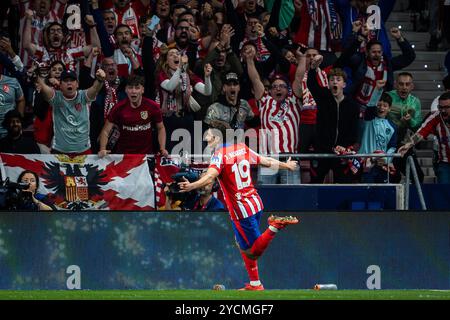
(438, 123)
(45, 13)
(230, 164)
(280, 116)
(54, 48)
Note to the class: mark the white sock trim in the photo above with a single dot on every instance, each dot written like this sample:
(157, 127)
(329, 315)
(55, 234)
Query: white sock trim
(255, 283)
(272, 228)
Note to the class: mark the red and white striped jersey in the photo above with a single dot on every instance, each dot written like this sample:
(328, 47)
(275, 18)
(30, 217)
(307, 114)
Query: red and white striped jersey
(69, 56)
(434, 124)
(37, 26)
(308, 109)
(233, 164)
(279, 124)
(315, 29)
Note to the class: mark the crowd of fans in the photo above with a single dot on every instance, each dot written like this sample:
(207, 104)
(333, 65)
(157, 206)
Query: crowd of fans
(122, 76)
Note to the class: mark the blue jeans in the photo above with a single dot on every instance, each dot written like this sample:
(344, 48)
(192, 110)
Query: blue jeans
(279, 177)
(443, 172)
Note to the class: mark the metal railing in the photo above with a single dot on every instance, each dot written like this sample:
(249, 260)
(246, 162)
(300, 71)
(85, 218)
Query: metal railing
(410, 167)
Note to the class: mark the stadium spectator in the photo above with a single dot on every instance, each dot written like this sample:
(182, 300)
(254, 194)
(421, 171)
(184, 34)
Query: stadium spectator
(185, 42)
(39, 201)
(446, 84)
(71, 112)
(320, 27)
(372, 65)
(356, 10)
(110, 94)
(15, 141)
(337, 126)
(7, 49)
(433, 108)
(127, 12)
(438, 124)
(44, 14)
(43, 121)
(126, 54)
(11, 97)
(223, 60)
(230, 164)
(230, 108)
(280, 117)
(275, 63)
(135, 117)
(204, 200)
(168, 24)
(177, 83)
(308, 110)
(54, 47)
(406, 114)
(379, 136)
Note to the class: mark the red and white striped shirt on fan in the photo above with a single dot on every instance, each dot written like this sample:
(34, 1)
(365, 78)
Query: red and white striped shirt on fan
(37, 26)
(233, 162)
(308, 110)
(434, 124)
(316, 23)
(279, 124)
(69, 56)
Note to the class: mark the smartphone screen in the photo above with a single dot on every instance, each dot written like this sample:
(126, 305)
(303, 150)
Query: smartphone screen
(153, 22)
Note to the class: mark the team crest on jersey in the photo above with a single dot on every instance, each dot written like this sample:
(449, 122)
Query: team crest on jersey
(144, 115)
(78, 107)
(216, 159)
(6, 88)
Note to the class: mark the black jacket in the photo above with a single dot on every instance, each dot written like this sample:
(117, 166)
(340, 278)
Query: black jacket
(357, 62)
(337, 124)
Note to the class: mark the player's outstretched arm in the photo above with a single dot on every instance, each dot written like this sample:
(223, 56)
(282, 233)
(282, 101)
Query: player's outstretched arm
(208, 178)
(271, 162)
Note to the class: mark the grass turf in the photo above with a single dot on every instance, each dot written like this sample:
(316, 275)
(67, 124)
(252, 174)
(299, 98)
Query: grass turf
(224, 295)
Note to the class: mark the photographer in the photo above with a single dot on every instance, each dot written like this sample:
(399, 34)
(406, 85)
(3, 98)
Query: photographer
(29, 198)
(204, 199)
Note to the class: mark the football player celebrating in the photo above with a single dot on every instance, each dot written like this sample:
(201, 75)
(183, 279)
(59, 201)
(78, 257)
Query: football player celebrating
(231, 165)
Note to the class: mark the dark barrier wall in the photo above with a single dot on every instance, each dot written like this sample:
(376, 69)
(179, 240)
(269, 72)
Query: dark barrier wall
(124, 250)
(342, 197)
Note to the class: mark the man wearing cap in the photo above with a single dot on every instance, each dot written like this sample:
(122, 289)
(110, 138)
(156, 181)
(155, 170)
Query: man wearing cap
(229, 107)
(280, 118)
(15, 141)
(71, 112)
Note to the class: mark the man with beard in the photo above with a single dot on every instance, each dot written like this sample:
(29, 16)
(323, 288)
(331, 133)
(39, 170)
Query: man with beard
(45, 14)
(184, 43)
(230, 108)
(406, 114)
(126, 56)
(337, 125)
(71, 112)
(55, 47)
(373, 65)
(439, 125)
(15, 141)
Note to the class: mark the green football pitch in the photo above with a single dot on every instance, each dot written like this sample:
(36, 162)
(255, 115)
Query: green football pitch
(224, 295)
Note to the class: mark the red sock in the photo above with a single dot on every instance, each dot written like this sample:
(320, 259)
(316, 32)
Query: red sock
(260, 245)
(251, 266)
